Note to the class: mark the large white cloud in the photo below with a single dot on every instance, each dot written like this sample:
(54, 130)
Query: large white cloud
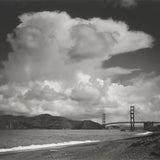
(55, 68)
(52, 45)
(86, 99)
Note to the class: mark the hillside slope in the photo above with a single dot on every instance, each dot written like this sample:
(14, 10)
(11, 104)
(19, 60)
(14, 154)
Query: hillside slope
(44, 121)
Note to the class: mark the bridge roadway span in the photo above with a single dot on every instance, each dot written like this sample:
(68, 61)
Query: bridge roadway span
(107, 124)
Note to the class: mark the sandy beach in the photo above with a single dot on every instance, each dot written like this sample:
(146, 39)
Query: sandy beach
(137, 148)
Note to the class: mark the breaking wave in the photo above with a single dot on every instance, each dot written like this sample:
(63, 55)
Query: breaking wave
(45, 146)
(144, 133)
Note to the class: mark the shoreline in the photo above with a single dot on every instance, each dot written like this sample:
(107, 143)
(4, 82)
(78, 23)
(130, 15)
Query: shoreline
(134, 148)
(37, 147)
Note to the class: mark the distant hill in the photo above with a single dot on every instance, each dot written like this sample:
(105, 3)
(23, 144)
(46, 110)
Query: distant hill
(44, 121)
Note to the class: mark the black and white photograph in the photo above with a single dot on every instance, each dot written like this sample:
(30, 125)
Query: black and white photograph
(79, 79)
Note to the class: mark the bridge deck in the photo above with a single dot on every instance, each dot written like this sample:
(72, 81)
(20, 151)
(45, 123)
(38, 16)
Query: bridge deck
(106, 124)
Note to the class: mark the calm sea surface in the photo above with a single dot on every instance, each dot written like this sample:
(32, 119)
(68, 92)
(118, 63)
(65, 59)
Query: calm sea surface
(13, 138)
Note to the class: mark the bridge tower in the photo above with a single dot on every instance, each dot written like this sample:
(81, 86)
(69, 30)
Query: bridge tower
(103, 119)
(132, 118)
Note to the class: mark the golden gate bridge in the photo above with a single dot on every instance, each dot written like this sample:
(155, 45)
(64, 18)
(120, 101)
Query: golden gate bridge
(147, 125)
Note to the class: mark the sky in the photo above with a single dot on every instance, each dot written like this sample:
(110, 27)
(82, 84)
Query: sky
(80, 58)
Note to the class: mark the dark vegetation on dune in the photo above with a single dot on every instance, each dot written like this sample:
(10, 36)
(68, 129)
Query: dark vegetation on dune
(44, 121)
(149, 143)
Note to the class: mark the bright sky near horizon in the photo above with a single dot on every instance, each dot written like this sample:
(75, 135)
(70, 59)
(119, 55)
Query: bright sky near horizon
(80, 59)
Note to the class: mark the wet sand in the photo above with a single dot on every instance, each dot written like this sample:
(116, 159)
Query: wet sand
(137, 148)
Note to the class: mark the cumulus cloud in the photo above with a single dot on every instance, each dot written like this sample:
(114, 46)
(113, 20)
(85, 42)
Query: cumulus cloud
(86, 99)
(56, 67)
(52, 45)
(85, 93)
(90, 43)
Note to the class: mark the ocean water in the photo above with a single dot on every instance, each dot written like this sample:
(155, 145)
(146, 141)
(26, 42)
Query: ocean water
(40, 138)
